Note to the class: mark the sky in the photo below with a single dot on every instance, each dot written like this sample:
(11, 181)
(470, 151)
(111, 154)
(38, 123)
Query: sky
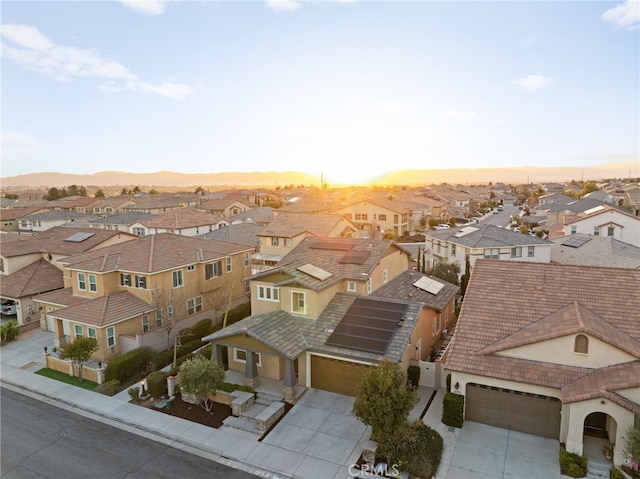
(343, 89)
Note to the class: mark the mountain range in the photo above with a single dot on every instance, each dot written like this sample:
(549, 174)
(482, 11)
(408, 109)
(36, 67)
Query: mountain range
(517, 175)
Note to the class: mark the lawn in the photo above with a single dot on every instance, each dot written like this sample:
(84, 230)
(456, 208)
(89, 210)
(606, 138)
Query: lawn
(65, 378)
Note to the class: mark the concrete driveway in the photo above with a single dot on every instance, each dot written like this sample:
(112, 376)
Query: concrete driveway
(482, 451)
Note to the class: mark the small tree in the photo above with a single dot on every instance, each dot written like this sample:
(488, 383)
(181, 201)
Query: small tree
(79, 352)
(201, 377)
(384, 401)
(447, 271)
(632, 443)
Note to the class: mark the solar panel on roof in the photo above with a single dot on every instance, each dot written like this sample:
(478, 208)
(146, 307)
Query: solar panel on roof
(314, 271)
(79, 237)
(465, 231)
(331, 245)
(576, 241)
(368, 325)
(355, 257)
(429, 285)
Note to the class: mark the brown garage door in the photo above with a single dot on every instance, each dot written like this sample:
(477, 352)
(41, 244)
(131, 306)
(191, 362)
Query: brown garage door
(524, 412)
(337, 376)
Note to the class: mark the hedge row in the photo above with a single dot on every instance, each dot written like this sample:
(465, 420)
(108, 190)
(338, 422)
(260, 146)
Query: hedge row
(572, 465)
(453, 409)
(127, 365)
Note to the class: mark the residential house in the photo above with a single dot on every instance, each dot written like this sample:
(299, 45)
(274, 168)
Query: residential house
(184, 221)
(377, 215)
(22, 262)
(306, 313)
(241, 233)
(121, 222)
(551, 350)
(589, 250)
(457, 245)
(160, 204)
(141, 292)
(226, 207)
(632, 200)
(10, 217)
(262, 216)
(605, 220)
(113, 205)
(556, 212)
(287, 230)
(38, 222)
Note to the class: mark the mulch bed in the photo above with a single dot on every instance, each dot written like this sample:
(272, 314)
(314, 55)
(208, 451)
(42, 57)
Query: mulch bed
(195, 413)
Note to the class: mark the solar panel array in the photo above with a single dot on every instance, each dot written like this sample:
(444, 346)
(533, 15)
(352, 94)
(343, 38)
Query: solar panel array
(331, 245)
(576, 241)
(429, 285)
(368, 325)
(355, 257)
(79, 237)
(314, 271)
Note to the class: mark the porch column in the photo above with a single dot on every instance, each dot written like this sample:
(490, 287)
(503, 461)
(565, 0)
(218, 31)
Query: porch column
(251, 370)
(216, 353)
(289, 381)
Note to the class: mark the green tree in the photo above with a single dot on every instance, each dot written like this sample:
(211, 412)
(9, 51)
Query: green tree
(11, 196)
(153, 191)
(201, 377)
(55, 194)
(79, 352)
(632, 443)
(448, 271)
(433, 222)
(383, 400)
(99, 193)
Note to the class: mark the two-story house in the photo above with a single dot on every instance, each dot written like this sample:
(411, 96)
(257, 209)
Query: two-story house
(604, 220)
(316, 322)
(10, 217)
(143, 291)
(226, 206)
(29, 263)
(184, 221)
(38, 222)
(559, 357)
(470, 243)
(377, 215)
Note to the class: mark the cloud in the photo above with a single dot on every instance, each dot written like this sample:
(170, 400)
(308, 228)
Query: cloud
(283, 5)
(625, 16)
(533, 82)
(34, 51)
(459, 115)
(149, 7)
(15, 143)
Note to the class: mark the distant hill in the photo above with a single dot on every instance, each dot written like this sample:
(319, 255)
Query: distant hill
(525, 174)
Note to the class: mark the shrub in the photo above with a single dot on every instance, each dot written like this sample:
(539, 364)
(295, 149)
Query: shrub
(127, 365)
(572, 465)
(230, 387)
(197, 331)
(615, 473)
(239, 312)
(8, 332)
(134, 393)
(413, 374)
(157, 384)
(452, 409)
(112, 387)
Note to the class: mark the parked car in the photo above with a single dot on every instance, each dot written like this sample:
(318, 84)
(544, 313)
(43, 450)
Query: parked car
(442, 227)
(8, 308)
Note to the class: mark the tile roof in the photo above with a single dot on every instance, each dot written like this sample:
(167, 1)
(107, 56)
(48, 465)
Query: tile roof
(38, 277)
(402, 287)
(15, 213)
(486, 236)
(54, 215)
(293, 224)
(241, 233)
(54, 241)
(153, 253)
(328, 254)
(61, 297)
(105, 310)
(597, 251)
(182, 218)
(507, 303)
(126, 219)
(263, 214)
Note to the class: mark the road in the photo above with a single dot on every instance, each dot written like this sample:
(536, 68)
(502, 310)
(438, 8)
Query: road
(502, 218)
(43, 441)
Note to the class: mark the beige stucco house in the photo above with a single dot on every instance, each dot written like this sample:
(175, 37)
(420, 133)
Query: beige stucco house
(551, 350)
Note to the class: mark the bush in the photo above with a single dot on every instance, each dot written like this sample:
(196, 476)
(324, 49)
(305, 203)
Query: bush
(615, 473)
(157, 384)
(112, 387)
(134, 393)
(239, 312)
(413, 374)
(8, 332)
(230, 387)
(127, 365)
(452, 409)
(572, 465)
(199, 330)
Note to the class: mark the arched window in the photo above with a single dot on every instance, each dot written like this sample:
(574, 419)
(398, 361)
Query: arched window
(581, 344)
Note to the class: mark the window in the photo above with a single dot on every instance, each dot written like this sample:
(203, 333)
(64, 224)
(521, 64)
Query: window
(274, 241)
(596, 231)
(361, 216)
(125, 279)
(82, 282)
(111, 337)
(610, 230)
(574, 230)
(178, 280)
(581, 344)
(287, 242)
(213, 270)
(351, 285)
(267, 293)
(145, 323)
(298, 304)
(158, 317)
(170, 312)
(92, 333)
(382, 217)
(141, 282)
(395, 219)
(516, 252)
(191, 267)
(246, 259)
(384, 276)
(138, 231)
(368, 286)
(78, 330)
(436, 325)
(240, 355)
(194, 305)
(531, 251)
(93, 285)
(453, 249)
(228, 264)
(492, 253)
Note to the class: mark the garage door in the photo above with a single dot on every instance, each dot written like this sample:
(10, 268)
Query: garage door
(337, 376)
(524, 412)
